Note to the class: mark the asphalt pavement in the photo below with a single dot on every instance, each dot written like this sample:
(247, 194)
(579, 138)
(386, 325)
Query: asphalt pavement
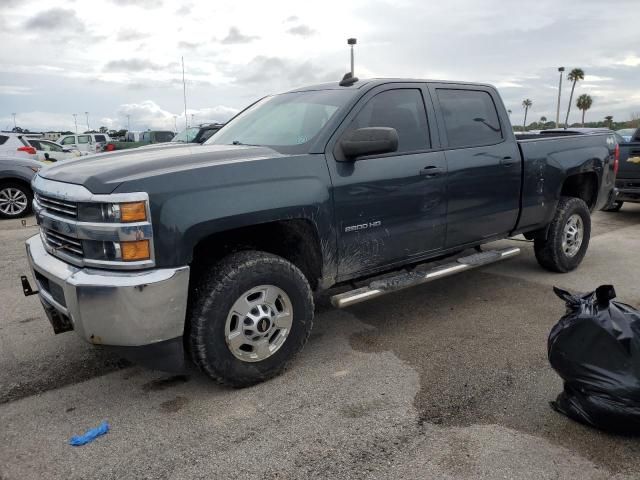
(446, 380)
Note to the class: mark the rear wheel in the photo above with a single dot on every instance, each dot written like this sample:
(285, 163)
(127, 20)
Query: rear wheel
(567, 238)
(615, 207)
(249, 316)
(15, 200)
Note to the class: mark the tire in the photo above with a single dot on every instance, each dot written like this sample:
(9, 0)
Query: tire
(15, 200)
(223, 292)
(550, 252)
(614, 208)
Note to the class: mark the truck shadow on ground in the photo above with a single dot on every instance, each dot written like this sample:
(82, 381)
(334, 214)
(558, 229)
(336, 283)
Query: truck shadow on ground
(481, 357)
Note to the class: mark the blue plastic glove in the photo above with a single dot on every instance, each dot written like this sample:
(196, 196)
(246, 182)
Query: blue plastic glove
(89, 435)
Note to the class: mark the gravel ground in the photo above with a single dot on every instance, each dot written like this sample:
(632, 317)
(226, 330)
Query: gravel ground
(446, 380)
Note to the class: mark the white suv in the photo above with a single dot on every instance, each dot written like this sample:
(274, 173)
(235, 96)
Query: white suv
(87, 142)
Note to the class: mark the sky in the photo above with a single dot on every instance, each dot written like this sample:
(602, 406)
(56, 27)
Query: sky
(113, 58)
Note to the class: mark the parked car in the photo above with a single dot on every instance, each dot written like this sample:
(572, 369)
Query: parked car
(626, 133)
(334, 184)
(86, 142)
(16, 145)
(51, 151)
(192, 135)
(628, 179)
(150, 137)
(16, 195)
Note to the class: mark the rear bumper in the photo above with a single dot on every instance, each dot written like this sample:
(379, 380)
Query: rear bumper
(628, 190)
(114, 308)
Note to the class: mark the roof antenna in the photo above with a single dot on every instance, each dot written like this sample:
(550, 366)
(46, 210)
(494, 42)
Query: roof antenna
(349, 77)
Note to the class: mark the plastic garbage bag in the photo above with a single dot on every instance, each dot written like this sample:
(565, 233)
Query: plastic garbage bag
(90, 435)
(595, 348)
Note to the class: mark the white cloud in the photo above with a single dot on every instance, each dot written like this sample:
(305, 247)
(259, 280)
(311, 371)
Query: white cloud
(630, 61)
(15, 90)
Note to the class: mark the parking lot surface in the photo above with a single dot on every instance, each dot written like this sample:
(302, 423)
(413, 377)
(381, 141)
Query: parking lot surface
(445, 380)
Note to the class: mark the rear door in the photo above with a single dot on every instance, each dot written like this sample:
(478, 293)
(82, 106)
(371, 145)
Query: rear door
(389, 208)
(84, 143)
(484, 168)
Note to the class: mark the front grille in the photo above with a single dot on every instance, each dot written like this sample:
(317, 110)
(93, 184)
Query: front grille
(63, 208)
(63, 243)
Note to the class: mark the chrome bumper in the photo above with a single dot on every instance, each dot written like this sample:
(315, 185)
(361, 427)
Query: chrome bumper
(112, 307)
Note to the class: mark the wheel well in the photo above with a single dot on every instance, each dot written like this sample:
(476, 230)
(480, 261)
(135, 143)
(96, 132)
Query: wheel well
(295, 240)
(582, 185)
(14, 180)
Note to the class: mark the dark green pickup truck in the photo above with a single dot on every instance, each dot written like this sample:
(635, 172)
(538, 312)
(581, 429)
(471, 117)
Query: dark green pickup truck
(211, 254)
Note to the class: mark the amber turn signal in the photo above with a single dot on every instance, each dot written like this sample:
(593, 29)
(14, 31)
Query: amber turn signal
(133, 251)
(133, 212)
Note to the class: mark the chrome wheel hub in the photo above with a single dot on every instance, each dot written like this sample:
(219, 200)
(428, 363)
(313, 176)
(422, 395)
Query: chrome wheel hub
(258, 323)
(573, 235)
(12, 201)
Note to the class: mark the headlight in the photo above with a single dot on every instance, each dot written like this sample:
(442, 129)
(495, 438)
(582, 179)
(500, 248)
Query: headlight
(113, 212)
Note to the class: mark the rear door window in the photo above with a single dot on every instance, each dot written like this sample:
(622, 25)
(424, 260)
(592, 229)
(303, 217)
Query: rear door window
(84, 139)
(3, 139)
(470, 118)
(401, 109)
(100, 138)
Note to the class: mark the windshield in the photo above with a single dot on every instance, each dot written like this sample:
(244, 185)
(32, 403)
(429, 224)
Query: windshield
(287, 122)
(186, 136)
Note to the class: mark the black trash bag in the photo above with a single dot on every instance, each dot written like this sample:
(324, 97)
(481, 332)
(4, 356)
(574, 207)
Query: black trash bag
(595, 348)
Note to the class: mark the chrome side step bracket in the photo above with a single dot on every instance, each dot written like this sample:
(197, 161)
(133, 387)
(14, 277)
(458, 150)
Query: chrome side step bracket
(418, 276)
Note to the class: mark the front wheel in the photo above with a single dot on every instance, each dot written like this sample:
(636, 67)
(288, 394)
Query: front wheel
(15, 200)
(567, 238)
(249, 316)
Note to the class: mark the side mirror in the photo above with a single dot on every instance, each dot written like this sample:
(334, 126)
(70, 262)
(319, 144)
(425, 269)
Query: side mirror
(369, 141)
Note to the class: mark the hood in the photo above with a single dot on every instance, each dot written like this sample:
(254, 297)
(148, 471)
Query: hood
(103, 173)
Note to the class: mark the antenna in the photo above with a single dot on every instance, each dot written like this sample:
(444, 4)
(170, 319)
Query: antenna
(184, 93)
(349, 77)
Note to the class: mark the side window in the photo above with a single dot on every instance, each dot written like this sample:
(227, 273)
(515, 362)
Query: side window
(470, 117)
(35, 144)
(84, 139)
(3, 139)
(100, 138)
(401, 109)
(68, 141)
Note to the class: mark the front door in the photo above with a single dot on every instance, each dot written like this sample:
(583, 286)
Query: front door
(389, 208)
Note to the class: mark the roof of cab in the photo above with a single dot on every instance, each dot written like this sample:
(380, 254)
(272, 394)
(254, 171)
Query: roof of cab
(372, 82)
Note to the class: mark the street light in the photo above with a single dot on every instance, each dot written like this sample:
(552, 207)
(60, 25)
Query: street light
(87, 115)
(128, 122)
(193, 122)
(561, 70)
(75, 120)
(175, 123)
(14, 120)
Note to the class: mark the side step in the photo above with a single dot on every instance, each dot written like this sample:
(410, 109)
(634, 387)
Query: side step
(404, 280)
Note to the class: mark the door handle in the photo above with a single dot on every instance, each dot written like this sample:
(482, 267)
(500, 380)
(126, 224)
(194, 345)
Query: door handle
(432, 171)
(507, 161)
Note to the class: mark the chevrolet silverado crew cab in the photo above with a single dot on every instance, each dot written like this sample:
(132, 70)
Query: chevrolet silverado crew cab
(212, 253)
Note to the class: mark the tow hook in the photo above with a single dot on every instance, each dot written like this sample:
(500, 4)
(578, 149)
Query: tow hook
(26, 287)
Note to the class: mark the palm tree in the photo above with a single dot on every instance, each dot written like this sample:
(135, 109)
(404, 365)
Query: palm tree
(543, 120)
(584, 103)
(609, 119)
(574, 76)
(526, 103)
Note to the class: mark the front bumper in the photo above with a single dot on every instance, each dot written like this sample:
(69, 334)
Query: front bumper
(115, 308)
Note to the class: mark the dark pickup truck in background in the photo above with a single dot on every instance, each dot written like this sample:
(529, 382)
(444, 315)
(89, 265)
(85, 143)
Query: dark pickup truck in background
(628, 179)
(213, 252)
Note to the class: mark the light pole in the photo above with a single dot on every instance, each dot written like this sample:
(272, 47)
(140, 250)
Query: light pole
(87, 115)
(14, 120)
(75, 120)
(193, 122)
(175, 123)
(351, 42)
(561, 70)
(128, 122)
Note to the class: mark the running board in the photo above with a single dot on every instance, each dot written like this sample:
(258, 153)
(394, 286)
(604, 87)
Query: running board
(377, 288)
